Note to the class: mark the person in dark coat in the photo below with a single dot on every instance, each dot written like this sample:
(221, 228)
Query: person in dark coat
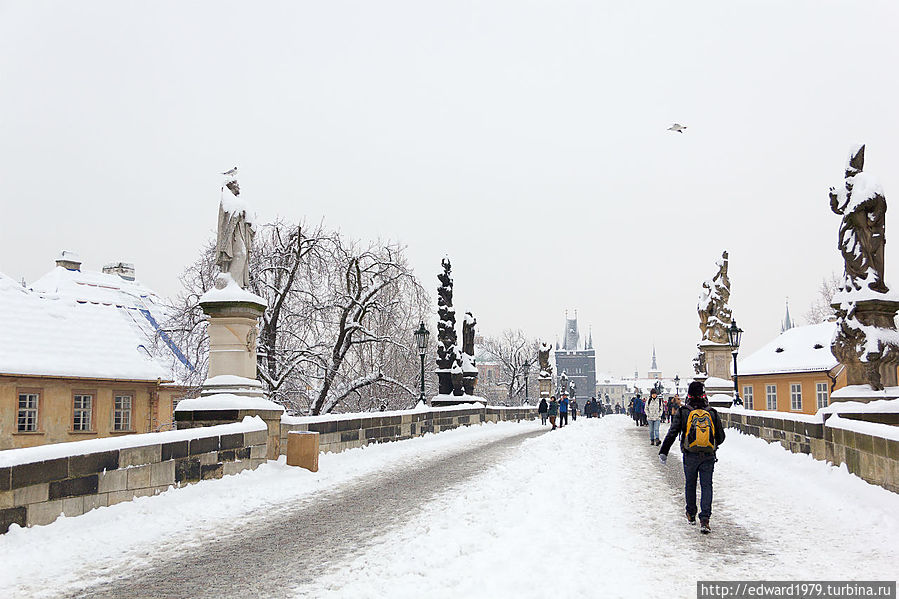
(542, 409)
(588, 408)
(697, 464)
(572, 408)
(553, 411)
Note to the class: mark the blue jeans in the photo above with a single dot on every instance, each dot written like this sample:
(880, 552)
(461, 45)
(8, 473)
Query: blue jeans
(701, 466)
(653, 430)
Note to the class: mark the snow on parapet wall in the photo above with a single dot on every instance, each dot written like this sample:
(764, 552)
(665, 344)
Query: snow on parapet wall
(416, 410)
(875, 429)
(28, 455)
(880, 406)
(802, 349)
(807, 418)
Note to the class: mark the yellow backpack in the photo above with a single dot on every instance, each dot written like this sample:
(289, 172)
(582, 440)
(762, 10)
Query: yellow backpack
(700, 435)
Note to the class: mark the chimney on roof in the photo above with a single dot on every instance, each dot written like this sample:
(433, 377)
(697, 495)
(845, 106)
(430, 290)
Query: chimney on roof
(123, 269)
(69, 260)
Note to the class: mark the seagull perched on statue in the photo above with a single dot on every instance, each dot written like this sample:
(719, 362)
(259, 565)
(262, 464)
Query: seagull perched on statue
(675, 127)
(231, 173)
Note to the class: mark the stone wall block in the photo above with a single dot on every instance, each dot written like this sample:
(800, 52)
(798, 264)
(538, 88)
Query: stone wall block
(203, 445)
(231, 441)
(92, 463)
(35, 473)
(139, 456)
(43, 513)
(257, 452)
(5, 479)
(139, 477)
(13, 515)
(73, 506)
(208, 458)
(31, 494)
(864, 442)
(849, 439)
(187, 470)
(116, 480)
(880, 446)
(7, 500)
(162, 474)
(74, 487)
(229, 468)
(92, 502)
(210, 471)
(244, 453)
(227, 456)
(893, 451)
(174, 450)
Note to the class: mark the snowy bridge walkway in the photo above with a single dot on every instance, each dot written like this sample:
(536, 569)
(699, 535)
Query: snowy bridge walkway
(489, 511)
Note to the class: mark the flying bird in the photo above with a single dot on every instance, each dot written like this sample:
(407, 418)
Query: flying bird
(231, 173)
(675, 127)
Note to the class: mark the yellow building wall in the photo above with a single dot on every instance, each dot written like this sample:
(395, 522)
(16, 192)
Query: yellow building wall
(782, 382)
(56, 409)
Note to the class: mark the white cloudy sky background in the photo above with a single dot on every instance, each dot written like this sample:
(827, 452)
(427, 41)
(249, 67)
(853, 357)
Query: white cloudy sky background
(525, 139)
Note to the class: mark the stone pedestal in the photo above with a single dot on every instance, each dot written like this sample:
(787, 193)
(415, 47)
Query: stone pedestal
(231, 390)
(718, 380)
(878, 314)
(546, 387)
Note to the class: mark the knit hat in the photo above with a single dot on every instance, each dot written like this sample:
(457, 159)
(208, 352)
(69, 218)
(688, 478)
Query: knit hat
(696, 389)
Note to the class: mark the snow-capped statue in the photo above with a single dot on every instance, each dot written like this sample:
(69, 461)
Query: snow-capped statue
(235, 232)
(714, 314)
(866, 340)
(469, 368)
(861, 203)
(546, 370)
(447, 354)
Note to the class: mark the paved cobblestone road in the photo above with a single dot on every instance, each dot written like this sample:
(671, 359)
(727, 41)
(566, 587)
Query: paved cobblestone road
(276, 554)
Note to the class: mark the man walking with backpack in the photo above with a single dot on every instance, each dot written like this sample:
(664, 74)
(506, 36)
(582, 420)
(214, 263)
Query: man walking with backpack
(701, 433)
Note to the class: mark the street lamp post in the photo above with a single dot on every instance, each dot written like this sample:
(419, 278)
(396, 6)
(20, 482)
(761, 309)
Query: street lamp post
(734, 333)
(677, 385)
(421, 340)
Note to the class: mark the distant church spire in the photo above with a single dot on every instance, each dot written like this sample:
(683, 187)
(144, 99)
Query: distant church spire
(590, 339)
(654, 366)
(787, 324)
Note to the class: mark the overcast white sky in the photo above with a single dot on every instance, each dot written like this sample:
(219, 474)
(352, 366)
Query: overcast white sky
(525, 139)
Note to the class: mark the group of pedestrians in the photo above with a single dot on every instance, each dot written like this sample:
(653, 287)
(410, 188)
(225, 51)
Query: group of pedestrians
(555, 409)
(559, 410)
(637, 410)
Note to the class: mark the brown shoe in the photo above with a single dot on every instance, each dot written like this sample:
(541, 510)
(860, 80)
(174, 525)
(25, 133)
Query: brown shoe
(704, 526)
(691, 518)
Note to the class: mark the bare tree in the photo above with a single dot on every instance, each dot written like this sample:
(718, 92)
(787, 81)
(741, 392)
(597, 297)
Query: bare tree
(338, 320)
(517, 355)
(820, 310)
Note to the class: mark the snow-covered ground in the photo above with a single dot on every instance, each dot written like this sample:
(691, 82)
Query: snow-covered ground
(584, 511)
(589, 511)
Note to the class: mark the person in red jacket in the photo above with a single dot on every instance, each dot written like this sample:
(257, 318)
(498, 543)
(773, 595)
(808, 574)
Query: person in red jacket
(701, 433)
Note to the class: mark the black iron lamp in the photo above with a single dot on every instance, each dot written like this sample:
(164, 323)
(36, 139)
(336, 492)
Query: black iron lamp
(734, 335)
(421, 340)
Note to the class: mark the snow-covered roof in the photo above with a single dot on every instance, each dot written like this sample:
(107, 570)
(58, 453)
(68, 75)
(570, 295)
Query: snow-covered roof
(85, 325)
(800, 349)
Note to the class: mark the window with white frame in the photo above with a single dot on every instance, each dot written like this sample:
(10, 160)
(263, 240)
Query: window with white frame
(121, 415)
(795, 396)
(81, 412)
(747, 397)
(27, 420)
(771, 396)
(822, 395)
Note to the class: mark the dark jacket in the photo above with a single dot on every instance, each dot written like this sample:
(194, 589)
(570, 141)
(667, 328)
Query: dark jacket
(543, 407)
(678, 427)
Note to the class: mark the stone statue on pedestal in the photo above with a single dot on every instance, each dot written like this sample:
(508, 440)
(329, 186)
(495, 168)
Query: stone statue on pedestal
(866, 341)
(235, 234)
(714, 313)
(861, 203)
(546, 370)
